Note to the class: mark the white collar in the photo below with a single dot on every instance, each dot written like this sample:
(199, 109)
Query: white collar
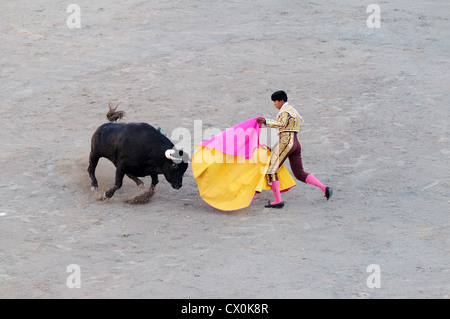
(286, 104)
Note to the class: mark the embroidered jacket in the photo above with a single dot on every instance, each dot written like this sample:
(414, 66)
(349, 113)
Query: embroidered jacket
(288, 120)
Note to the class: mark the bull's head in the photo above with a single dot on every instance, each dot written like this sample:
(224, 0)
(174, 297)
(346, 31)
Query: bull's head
(175, 167)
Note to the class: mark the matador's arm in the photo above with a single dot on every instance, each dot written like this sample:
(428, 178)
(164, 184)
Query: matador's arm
(280, 122)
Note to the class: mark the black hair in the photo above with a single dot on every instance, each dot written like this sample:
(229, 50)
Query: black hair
(279, 96)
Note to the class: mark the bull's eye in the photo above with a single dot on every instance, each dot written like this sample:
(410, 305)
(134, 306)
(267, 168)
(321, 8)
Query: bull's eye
(174, 165)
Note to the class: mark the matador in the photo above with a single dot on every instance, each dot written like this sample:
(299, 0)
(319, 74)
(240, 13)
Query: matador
(287, 124)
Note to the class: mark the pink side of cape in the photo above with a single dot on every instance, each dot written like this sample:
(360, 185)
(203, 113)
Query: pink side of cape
(239, 140)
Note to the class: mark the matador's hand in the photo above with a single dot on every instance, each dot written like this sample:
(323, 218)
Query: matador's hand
(261, 120)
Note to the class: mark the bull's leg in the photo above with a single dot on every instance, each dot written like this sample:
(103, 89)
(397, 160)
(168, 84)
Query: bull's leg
(139, 183)
(93, 161)
(120, 174)
(154, 180)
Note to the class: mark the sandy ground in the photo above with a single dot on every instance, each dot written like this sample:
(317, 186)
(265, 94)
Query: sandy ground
(376, 110)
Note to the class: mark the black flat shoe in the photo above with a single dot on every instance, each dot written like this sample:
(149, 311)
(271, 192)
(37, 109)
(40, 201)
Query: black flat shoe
(328, 192)
(279, 205)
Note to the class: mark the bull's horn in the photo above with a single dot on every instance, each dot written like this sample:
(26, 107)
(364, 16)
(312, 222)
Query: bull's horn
(169, 154)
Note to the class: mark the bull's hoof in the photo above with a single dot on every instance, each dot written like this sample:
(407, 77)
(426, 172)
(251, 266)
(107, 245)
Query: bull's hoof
(109, 193)
(94, 188)
(105, 196)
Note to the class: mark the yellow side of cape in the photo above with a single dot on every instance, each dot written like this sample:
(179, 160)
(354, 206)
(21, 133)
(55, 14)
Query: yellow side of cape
(229, 182)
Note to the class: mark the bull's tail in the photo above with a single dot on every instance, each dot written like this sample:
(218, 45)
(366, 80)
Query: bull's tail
(114, 115)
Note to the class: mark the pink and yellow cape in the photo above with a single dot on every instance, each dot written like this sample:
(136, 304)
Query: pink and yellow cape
(230, 167)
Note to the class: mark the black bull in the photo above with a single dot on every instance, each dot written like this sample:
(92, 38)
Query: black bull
(137, 150)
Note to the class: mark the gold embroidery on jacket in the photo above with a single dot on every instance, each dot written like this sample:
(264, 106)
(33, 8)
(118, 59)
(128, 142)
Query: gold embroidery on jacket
(287, 120)
(279, 154)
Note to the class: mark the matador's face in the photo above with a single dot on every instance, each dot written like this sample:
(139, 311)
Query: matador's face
(278, 104)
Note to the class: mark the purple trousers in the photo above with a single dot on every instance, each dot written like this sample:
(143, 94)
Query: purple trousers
(288, 147)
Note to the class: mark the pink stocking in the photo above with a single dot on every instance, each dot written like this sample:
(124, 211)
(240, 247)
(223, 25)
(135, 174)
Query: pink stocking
(311, 179)
(276, 191)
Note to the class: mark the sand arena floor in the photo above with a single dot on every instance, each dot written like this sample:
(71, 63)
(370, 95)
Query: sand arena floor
(376, 108)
